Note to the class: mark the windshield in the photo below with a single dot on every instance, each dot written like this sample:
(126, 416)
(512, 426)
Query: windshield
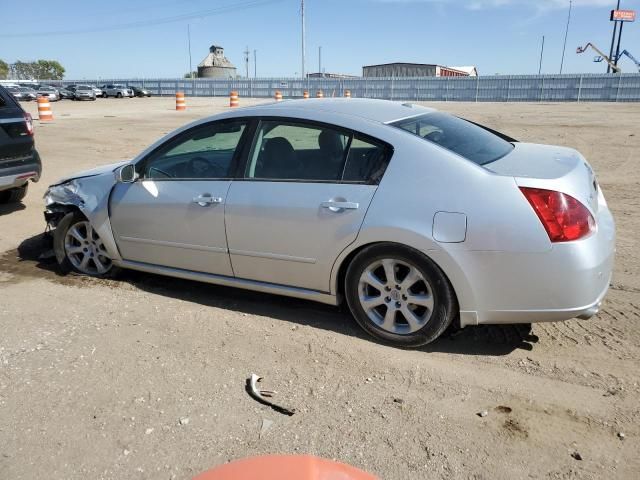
(457, 135)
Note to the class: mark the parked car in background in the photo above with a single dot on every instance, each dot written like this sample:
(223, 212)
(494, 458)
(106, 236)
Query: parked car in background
(19, 160)
(117, 91)
(83, 92)
(23, 94)
(49, 92)
(65, 93)
(416, 218)
(97, 91)
(139, 92)
(29, 92)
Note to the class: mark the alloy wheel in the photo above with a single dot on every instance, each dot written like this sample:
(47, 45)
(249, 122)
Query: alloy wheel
(85, 249)
(395, 296)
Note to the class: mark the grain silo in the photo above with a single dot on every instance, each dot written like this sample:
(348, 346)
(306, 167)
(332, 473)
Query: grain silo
(216, 65)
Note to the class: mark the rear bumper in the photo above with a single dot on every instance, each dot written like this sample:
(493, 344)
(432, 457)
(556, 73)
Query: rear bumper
(569, 281)
(17, 176)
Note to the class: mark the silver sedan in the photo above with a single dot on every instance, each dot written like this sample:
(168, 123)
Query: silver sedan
(416, 218)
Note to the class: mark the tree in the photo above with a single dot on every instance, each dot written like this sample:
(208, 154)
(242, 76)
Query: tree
(49, 69)
(40, 69)
(4, 70)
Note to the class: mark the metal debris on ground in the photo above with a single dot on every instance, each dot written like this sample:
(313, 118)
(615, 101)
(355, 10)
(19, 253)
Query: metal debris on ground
(483, 413)
(261, 395)
(621, 435)
(576, 455)
(265, 427)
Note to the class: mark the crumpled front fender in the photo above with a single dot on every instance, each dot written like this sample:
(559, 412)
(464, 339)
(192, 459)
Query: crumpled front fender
(91, 196)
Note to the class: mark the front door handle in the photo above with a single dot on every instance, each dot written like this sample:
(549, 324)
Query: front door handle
(206, 199)
(339, 206)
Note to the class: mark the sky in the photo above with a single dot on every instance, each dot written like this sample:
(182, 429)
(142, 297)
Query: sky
(148, 38)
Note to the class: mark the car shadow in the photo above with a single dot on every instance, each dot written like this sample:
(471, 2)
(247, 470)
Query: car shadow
(7, 208)
(34, 258)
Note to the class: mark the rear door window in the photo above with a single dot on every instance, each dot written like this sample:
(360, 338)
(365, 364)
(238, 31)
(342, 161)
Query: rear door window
(457, 135)
(292, 151)
(366, 162)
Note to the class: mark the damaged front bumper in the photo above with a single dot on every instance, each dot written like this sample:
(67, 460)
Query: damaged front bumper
(88, 195)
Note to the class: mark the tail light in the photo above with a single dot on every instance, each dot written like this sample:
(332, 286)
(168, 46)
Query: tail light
(29, 123)
(563, 217)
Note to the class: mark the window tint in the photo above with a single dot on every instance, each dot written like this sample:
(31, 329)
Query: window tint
(204, 152)
(290, 151)
(457, 135)
(366, 162)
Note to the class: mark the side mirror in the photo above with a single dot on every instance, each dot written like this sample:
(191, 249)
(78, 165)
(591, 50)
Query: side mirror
(127, 174)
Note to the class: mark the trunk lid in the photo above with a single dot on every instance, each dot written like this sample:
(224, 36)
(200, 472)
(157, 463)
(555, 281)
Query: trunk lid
(550, 167)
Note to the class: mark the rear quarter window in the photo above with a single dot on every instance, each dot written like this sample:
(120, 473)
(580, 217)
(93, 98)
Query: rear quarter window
(457, 135)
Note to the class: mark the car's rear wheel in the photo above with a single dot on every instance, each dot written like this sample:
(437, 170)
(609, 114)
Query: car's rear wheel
(14, 195)
(399, 295)
(119, 95)
(78, 247)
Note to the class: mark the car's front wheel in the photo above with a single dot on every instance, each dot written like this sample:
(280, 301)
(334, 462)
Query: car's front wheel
(399, 295)
(78, 247)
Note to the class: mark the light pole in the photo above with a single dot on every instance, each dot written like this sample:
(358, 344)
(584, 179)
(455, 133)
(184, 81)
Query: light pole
(303, 37)
(566, 34)
(541, 54)
(613, 40)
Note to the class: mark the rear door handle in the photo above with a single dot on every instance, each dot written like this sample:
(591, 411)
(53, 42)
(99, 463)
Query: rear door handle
(339, 206)
(205, 199)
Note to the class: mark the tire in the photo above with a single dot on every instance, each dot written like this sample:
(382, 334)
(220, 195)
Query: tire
(118, 95)
(14, 195)
(74, 240)
(412, 310)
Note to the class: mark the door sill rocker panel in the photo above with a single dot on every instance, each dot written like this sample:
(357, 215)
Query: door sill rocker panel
(254, 285)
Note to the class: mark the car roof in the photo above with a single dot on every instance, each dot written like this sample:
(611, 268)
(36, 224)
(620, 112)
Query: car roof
(383, 111)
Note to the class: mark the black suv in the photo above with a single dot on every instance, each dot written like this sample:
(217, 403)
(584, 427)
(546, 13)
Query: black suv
(19, 160)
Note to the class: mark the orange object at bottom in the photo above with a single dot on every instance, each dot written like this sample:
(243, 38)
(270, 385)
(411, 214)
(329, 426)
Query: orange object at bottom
(285, 467)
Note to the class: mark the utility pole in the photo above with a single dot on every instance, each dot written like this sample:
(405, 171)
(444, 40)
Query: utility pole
(189, 43)
(615, 61)
(246, 61)
(541, 54)
(613, 40)
(566, 34)
(320, 60)
(255, 64)
(303, 37)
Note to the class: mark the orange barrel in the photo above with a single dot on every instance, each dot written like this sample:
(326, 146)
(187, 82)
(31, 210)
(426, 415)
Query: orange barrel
(305, 95)
(278, 96)
(319, 94)
(347, 93)
(44, 110)
(180, 102)
(233, 100)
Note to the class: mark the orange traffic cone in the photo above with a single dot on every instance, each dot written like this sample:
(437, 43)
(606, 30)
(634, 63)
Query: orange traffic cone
(278, 96)
(305, 94)
(319, 94)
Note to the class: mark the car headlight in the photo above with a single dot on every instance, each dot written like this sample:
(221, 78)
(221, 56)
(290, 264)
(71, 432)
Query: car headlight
(66, 193)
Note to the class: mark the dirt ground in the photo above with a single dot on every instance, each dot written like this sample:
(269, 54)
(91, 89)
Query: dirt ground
(143, 377)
